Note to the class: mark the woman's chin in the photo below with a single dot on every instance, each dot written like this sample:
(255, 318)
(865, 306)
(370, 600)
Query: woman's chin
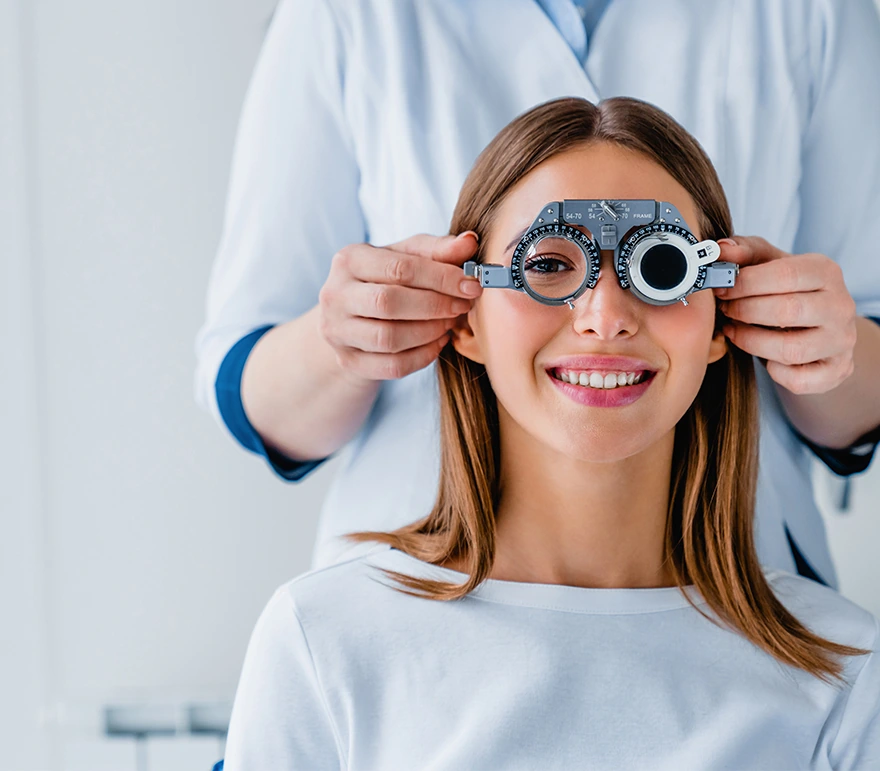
(600, 447)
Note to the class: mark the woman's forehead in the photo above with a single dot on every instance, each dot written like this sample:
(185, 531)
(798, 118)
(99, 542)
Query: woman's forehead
(600, 171)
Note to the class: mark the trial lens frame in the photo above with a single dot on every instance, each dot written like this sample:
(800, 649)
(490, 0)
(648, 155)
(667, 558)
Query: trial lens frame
(609, 221)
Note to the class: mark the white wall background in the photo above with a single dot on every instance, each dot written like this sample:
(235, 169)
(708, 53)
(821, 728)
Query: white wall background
(138, 543)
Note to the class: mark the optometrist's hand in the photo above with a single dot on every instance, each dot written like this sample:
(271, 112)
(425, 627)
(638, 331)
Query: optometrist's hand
(387, 311)
(793, 311)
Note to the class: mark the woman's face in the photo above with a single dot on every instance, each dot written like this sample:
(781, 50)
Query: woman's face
(521, 341)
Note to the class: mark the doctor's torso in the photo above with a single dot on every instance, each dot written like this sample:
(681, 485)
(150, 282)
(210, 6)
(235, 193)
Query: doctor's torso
(428, 84)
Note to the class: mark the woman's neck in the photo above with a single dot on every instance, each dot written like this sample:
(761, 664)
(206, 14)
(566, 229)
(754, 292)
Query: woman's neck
(563, 520)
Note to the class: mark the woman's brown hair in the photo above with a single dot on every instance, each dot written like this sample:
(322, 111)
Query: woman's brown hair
(709, 525)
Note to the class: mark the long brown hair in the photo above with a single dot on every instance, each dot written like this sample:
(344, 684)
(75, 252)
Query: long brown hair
(709, 525)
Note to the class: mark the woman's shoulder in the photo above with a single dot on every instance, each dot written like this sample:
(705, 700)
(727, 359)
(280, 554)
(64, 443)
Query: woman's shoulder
(337, 592)
(825, 611)
(851, 733)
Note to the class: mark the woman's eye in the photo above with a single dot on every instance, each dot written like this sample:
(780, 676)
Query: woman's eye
(545, 264)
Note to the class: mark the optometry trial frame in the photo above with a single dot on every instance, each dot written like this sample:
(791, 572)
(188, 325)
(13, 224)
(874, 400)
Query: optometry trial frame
(656, 256)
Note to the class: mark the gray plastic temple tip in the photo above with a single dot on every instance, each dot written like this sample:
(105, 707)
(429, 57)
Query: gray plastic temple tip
(721, 274)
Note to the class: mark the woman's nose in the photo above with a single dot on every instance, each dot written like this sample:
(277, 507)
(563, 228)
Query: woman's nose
(607, 310)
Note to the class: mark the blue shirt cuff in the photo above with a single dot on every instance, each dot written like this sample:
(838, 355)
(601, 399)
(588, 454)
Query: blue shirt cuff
(228, 390)
(848, 460)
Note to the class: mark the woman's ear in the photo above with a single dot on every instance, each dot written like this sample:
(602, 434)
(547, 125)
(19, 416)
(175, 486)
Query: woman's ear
(464, 340)
(718, 347)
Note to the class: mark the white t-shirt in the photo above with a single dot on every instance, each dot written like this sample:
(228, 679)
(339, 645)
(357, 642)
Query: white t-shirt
(363, 119)
(345, 672)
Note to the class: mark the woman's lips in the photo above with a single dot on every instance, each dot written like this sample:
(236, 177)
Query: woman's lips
(601, 397)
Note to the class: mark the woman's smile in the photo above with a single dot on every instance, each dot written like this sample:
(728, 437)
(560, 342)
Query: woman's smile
(610, 395)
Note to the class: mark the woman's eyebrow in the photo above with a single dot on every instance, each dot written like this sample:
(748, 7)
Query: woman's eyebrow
(516, 239)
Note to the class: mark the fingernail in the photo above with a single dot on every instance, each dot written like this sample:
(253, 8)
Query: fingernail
(471, 232)
(470, 287)
(728, 241)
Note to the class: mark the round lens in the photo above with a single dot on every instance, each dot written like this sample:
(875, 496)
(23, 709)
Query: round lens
(554, 267)
(663, 266)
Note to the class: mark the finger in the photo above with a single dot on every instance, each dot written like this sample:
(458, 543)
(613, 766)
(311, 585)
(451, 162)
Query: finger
(402, 303)
(454, 249)
(749, 250)
(815, 378)
(796, 273)
(391, 366)
(384, 266)
(800, 309)
(374, 336)
(789, 347)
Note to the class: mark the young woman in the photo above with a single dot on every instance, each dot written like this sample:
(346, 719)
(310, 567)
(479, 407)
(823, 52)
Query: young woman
(585, 592)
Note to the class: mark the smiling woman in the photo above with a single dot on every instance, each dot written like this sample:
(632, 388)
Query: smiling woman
(593, 525)
(539, 488)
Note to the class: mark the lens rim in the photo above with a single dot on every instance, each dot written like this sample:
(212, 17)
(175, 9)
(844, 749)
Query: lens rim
(629, 257)
(556, 230)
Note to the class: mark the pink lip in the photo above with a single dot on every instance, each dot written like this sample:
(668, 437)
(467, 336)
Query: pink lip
(616, 363)
(597, 397)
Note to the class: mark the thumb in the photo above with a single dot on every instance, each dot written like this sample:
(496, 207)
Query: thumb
(453, 249)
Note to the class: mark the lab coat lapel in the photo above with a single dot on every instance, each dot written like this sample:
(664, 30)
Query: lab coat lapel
(554, 55)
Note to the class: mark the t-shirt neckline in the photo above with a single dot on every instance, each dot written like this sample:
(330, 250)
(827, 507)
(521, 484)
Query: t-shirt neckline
(572, 599)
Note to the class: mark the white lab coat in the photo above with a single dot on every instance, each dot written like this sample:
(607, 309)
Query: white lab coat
(363, 119)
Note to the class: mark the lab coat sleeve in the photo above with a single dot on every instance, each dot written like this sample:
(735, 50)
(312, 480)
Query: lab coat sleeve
(840, 184)
(857, 744)
(292, 200)
(280, 719)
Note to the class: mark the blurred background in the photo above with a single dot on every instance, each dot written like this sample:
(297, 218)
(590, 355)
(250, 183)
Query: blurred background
(139, 543)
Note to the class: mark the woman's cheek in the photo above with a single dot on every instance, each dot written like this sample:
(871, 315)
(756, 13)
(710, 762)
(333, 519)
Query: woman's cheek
(500, 331)
(694, 321)
(516, 330)
(518, 320)
(685, 332)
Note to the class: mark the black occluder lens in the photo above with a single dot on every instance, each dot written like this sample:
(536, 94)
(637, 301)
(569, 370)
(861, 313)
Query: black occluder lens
(663, 266)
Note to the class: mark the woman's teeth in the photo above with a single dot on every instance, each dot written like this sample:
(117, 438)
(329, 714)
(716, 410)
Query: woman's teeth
(595, 379)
